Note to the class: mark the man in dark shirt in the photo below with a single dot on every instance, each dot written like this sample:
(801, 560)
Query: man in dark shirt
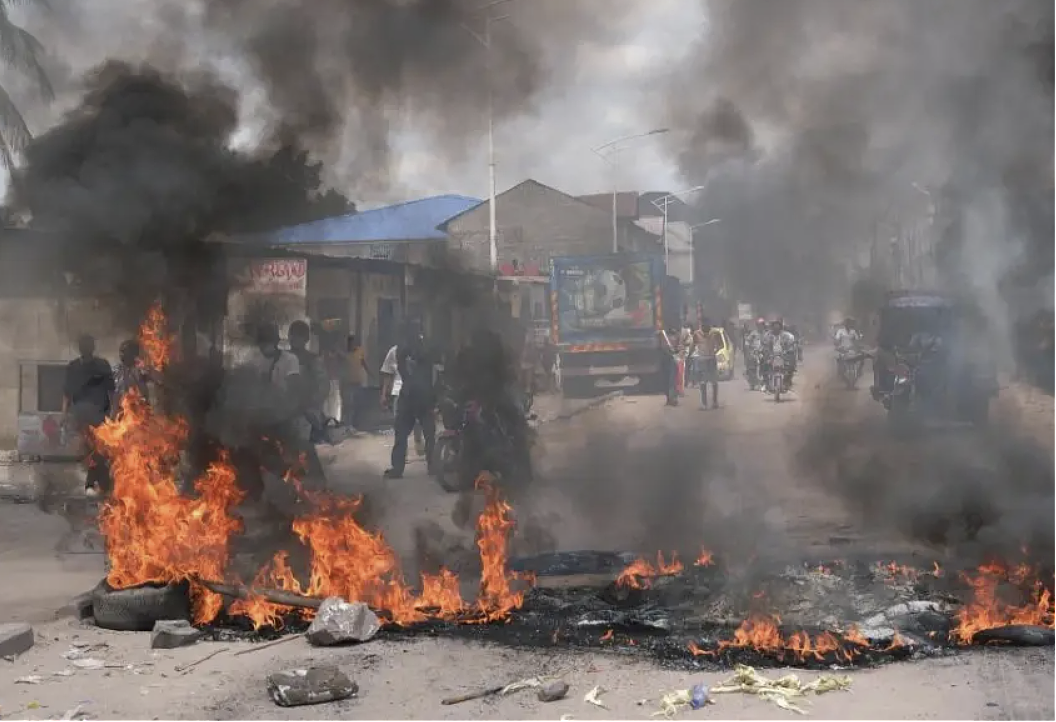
(416, 403)
(87, 392)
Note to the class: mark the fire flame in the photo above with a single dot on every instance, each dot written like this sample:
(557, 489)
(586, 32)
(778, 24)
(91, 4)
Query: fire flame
(155, 534)
(639, 573)
(989, 608)
(706, 559)
(762, 633)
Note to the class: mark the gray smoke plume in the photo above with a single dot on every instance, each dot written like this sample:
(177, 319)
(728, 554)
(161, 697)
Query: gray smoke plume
(824, 129)
(348, 77)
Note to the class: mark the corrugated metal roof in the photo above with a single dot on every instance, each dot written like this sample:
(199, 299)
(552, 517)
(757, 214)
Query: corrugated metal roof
(410, 220)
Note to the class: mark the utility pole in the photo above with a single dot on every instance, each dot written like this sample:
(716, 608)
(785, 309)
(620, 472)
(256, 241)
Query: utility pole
(612, 144)
(485, 40)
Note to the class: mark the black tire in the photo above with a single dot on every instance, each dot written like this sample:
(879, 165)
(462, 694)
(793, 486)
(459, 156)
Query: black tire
(138, 608)
(449, 476)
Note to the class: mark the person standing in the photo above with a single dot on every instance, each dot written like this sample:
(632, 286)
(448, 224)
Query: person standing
(129, 374)
(391, 386)
(356, 375)
(416, 403)
(707, 341)
(313, 381)
(87, 392)
(669, 364)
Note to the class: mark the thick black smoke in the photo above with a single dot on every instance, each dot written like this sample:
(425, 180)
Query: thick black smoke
(826, 129)
(135, 185)
(973, 496)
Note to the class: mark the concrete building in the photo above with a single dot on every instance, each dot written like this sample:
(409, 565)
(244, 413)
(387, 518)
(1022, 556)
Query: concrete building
(535, 223)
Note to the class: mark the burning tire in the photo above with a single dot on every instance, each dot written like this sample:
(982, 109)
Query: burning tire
(138, 608)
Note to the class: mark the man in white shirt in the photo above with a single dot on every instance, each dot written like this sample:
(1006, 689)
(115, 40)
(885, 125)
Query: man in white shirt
(391, 384)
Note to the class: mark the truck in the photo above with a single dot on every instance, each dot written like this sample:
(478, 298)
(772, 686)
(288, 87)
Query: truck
(605, 316)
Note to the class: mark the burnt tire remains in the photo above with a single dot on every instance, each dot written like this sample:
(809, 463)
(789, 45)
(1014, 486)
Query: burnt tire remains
(138, 608)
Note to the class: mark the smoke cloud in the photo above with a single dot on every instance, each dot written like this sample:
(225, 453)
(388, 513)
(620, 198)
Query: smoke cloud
(351, 78)
(825, 129)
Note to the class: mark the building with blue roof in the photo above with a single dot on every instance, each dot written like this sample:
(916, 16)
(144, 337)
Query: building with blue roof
(376, 233)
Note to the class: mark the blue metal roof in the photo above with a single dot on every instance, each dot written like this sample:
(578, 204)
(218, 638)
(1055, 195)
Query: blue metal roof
(410, 220)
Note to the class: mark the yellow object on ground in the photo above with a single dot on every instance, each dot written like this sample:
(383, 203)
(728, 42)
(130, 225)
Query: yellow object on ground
(782, 690)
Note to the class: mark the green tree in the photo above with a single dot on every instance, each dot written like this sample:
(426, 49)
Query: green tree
(22, 52)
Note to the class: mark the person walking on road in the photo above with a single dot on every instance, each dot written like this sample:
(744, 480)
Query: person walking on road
(416, 403)
(707, 342)
(391, 386)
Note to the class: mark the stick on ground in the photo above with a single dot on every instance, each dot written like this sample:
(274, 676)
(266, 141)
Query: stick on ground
(184, 668)
(258, 647)
(479, 694)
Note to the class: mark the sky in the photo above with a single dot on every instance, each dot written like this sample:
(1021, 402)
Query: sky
(614, 88)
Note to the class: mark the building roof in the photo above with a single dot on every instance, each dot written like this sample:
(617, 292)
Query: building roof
(411, 220)
(626, 203)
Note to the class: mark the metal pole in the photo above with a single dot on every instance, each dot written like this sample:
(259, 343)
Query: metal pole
(615, 226)
(667, 270)
(493, 246)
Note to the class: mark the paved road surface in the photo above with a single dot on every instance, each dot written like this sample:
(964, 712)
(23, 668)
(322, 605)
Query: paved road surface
(744, 482)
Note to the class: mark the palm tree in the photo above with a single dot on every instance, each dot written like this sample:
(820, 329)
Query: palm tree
(20, 51)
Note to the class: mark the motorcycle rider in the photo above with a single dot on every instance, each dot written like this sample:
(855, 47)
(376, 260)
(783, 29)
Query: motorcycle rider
(779, 342)
(847, 341)
(484, 371)
(753, 348)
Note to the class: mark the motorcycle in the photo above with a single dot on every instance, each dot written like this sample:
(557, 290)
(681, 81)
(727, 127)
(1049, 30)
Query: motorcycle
(754, 369)
(849, 367)
(776, 377)
(475, 440)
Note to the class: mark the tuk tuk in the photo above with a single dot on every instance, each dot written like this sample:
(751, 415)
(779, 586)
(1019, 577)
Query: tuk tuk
(931, 359)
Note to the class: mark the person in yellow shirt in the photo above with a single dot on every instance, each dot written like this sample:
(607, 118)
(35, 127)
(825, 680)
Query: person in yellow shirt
(356, 377)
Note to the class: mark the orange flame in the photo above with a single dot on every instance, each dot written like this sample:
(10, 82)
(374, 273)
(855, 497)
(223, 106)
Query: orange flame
(762, 634)
(155, 534)
(607, 636)
(990, 608)
(637, 574)
(706, 559)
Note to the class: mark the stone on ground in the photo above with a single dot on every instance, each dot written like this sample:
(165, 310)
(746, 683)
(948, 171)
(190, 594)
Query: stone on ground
(173, 633)
(339, 622)
(312, 685)
(553, 691)
(15, 639)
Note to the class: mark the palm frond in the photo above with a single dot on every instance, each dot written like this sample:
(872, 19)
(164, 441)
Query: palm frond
(14, 133)
(22, 51)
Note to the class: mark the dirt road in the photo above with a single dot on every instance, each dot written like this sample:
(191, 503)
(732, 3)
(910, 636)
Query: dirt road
(755, 486)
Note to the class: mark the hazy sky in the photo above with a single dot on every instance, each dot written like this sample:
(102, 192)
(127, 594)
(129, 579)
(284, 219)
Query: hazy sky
(612, 89)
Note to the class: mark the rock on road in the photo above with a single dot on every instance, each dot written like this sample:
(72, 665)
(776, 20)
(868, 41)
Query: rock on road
(407, 678)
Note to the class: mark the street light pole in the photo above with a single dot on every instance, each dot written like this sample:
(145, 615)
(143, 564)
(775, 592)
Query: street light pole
(485, 40)
(615, 189)
(662, 203)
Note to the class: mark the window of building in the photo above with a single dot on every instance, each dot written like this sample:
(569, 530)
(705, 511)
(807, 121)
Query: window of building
(50, 381)
(41, 386)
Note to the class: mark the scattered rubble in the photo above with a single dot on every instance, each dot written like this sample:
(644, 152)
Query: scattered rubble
(15, 639)
(312, 685)
(553, 691)
(340, 622)
(594, 697)
(173, 633)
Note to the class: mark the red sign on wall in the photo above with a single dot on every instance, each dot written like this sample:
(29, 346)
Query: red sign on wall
(279, 275)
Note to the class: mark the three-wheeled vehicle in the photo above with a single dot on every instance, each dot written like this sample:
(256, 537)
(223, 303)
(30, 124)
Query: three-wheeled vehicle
(932, 360)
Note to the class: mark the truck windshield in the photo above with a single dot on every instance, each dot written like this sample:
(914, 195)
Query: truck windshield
(605, 298)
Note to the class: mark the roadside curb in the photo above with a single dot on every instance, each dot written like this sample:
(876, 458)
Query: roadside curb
(588, 406)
